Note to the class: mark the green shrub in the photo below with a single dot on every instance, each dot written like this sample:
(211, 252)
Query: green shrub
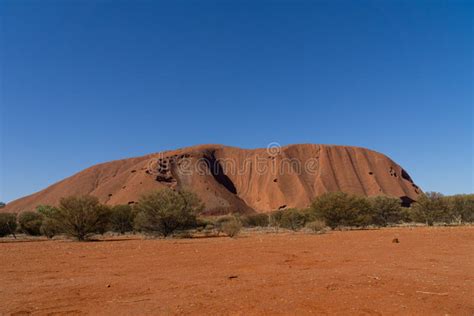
(231, 227)
(8, 224)
(255, 220)
(219, 222)
(293, 219)
(275, 218)
(386, 210)
(430, 207)
(49, 226)
(121, 218)
(316, 226)
(78, 217)
(406, 215)
(30, 223)
(203, 222)
(209, 230)
(140, 221)
(461, 208)
(2, 204)
(164, 211)
(46, 210)
(434, 207)
(342, 209)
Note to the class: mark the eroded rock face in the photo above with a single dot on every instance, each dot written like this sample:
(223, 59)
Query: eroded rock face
(230, 179)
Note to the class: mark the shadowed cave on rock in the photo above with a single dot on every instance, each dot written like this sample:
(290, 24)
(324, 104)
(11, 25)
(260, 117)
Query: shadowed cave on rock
(218, 173)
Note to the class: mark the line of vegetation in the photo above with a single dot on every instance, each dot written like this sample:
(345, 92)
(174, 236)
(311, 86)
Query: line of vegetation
(174, 213)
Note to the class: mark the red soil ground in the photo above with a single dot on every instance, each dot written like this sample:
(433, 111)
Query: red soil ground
(430, 272)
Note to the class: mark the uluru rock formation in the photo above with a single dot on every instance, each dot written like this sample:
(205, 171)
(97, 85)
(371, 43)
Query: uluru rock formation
(230, 179)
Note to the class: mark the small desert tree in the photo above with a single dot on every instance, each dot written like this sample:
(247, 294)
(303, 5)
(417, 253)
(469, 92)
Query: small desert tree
(461, 207)
(121, 218)
(293, 219)
(219, 222)
(46, 210)
(81, 216)
(342, 209)
(164, 211)
(228, 224)
(386, 210)
(232, 227)
(2, 204)
(30, 223)
(256, 220)
(429, 208)
(275, 218)
(49, 226)
(7, 224)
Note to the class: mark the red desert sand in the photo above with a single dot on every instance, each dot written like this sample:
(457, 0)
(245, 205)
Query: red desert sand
(429, 272)
(230, 179)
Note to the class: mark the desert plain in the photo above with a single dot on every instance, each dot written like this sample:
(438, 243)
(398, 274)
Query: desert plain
(361, 272)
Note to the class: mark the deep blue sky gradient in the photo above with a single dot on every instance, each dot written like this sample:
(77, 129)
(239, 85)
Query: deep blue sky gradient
(85, 82)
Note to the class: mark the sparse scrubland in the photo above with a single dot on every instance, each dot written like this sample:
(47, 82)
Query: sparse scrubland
(168, 213)
(393, 271)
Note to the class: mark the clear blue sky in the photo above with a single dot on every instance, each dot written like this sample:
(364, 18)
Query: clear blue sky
(85, 82)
